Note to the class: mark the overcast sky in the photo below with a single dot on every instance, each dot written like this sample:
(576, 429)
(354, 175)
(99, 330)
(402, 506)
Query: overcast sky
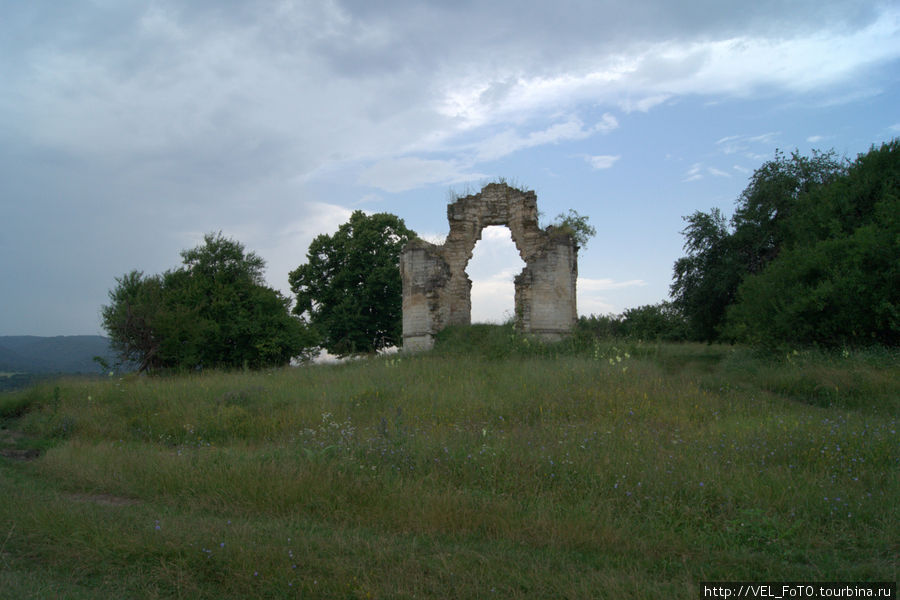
(130, 129)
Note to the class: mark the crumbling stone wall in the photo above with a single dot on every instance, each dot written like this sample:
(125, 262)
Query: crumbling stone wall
(437, 292)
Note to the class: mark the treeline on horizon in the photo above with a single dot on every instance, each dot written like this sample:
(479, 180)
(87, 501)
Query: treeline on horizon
(810, 256)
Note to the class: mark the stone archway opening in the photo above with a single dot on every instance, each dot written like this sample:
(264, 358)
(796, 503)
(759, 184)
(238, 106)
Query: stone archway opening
(494, 265)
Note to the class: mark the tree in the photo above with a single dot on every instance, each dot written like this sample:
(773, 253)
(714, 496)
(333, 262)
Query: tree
(349, 290)
(837, 281)
(768, 203)
(130, 319)
(212, 312)
(720, 255)
(707, 278)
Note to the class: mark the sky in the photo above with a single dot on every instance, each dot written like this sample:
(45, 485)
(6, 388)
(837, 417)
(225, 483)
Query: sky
(128, 130)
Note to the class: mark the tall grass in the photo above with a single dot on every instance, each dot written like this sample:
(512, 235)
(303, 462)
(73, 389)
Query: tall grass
(494, 465)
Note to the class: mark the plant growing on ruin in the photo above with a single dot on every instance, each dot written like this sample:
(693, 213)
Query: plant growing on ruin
(576, 226)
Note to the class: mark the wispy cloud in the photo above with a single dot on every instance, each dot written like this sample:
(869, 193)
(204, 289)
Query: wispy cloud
(596, 285)
(509, 141)
(643, 104)
(734, 144)
(602, 161)
(694, 173)
(699, 171)
(400, 174)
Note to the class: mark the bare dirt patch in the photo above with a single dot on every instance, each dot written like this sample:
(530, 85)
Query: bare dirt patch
(10, 439)
(20, 454)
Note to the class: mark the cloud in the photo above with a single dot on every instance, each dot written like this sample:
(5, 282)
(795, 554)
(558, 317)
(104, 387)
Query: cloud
(596, 285)
(590, 305)
(694, 173)
(644, 104)
(297, 88)
(735, 144)
(606, 124)
(493, 300)
(495, 255)
(602, 161)
(813, 139)
(510, 141)
(649, 71)
(433, 237)
(592, 294)
(699, 171)
(148, 121)
(400, 174)
(494, 264)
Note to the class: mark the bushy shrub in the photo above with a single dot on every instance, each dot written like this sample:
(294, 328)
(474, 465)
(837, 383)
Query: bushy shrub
(654, 322)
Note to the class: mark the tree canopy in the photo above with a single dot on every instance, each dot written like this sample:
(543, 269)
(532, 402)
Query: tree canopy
(349, 290)
(837, 280)
(810, 256)
(213, 312)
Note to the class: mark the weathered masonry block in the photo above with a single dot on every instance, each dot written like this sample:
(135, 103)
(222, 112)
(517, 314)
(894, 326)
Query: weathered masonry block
(437, 292)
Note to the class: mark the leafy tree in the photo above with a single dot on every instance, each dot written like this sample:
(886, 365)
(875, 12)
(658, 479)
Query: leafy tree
(349, 290)
(707, 278)
(720, 255)
(838, 280)
(130, 319)
(768, 203)
(212, 312)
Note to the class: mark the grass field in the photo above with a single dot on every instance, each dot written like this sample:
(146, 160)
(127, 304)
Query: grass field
(493, 467)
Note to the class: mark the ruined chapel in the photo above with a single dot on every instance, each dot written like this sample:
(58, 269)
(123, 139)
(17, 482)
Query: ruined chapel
(437, 291)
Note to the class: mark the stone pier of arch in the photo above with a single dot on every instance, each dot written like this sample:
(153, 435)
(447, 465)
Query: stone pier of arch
(437, 290)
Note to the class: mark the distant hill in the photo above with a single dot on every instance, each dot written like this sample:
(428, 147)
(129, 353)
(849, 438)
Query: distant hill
(60, 354)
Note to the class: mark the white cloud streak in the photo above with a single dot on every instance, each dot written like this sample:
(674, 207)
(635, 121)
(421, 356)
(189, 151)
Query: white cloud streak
(603, 284)
(602, 161)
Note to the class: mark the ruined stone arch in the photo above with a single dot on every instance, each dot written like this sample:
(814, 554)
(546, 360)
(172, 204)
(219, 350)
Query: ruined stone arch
(437, 290)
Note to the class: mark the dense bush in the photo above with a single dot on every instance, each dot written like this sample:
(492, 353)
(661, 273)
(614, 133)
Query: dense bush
(660, 321)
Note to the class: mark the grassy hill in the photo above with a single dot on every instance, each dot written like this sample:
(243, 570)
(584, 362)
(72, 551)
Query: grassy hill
(493, 467)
